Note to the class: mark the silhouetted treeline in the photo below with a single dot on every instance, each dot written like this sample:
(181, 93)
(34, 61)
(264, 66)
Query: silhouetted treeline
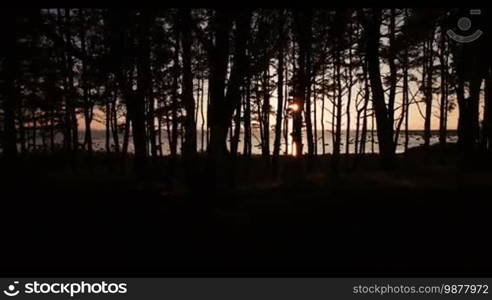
(201, 80)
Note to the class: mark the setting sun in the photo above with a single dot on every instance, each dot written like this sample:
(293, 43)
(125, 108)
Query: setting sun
(294, 107)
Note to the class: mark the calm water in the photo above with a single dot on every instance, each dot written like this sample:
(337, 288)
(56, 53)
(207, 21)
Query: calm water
(415, 139)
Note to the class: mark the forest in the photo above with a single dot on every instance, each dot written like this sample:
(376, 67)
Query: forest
(250, 117)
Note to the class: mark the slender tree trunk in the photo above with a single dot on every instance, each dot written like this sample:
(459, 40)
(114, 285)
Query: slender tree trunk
(405, 100)
(348, 115)
(444, 96)
(333, 116)
(189, 101)
(169, 138)
(285, 109)
(462, 106)
(349, 95)
(428, 91)
(126, 135)
(159, 130)
(237, 130)
(337, 112)
(114, 118)
(107, 126)
(141, 96)
(363, 133)
(308, 85)
(357, 129)
(174, 106)
(372, 131)
(151, 120)
(323, 84)
(407, 105)
(404, 104)
(393, 75)
(247, 120)
(280, 95)
(280, 102)
(87, 123)
(266, 113)
(85, 96)
(363, 136)
(261, 119)
(315, 118)
(67, 134)
(475, 87)
(71, 93)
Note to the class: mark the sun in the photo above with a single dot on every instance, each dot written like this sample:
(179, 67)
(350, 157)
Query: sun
(294, 107)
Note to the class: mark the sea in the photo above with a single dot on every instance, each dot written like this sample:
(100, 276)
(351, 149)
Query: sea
(415, 139)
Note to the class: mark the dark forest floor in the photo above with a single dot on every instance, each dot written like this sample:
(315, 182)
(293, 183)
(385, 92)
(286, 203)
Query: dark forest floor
(430, 216)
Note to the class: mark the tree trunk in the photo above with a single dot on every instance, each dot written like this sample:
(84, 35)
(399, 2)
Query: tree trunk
(444, 97)
(428, 91)
(265, 112)
(247, 120)
(307, 83)
(71, 101)
(85, 96)
(393, 72)
(349, 95)
(323, 141)
(67, 133)
(107, 126)
(468, 125)
(173, 143)
(406, 101)
(142, 94)
(189, 149)
(237, 130)
(302, 22)
(219, 122)
(384, 125)
(363, 134)
(114, 122)
(280, 94)
(337, 112)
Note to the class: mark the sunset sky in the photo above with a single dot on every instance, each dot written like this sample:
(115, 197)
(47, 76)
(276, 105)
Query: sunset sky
(416, 118)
